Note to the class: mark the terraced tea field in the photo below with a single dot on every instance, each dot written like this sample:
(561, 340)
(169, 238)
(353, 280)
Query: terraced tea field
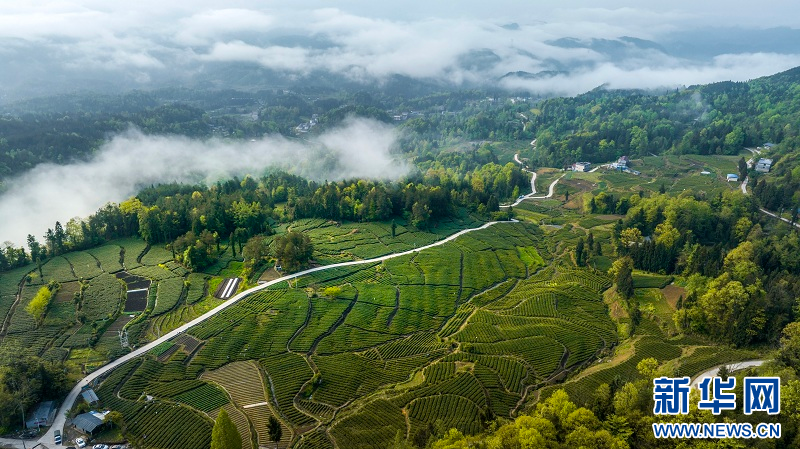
(348, 357)
(95, 299)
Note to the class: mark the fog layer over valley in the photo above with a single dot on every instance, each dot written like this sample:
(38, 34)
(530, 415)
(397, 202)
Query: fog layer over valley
(34, 201)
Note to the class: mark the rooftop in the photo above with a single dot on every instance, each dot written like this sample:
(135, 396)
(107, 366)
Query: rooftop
(88, 422)
(41, 415)
(90, 396)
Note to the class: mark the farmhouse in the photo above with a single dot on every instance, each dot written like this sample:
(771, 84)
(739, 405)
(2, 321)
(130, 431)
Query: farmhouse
(582, 166)
(733, 177)
(89, 422)
(764, 165)
(42, 416)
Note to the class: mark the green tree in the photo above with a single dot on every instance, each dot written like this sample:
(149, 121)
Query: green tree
(580, 253)
(622, 270)
(742, 168)
(116, 419)
(38, 305)
(789, 353)
(275, 431)
(294, 250)
(420, 215)
(639, 140)
(224, 434)
(256, 250)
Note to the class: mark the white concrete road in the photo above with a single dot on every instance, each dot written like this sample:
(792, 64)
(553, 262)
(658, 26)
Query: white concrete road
(764, 211)
(533, 173)
(732, 367)
(60, 419)
(532, 195)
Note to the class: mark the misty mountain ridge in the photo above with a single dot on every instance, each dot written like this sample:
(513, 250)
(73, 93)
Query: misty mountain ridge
(298, 59)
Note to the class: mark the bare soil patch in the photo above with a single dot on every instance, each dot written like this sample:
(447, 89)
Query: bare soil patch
(672, 292)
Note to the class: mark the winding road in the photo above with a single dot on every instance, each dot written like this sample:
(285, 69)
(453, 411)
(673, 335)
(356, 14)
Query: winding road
(60, 419)
(738, 366)
(532, 195)
(764, 211)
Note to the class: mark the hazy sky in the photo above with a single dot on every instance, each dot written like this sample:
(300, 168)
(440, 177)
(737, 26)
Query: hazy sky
(140, 42)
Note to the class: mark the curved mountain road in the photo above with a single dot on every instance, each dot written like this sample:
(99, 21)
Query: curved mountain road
(766, 212)
(732, 367)
(532, 195)
(60, 419)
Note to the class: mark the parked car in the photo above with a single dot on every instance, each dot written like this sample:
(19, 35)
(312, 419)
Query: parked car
(99, 446)
(80, 443)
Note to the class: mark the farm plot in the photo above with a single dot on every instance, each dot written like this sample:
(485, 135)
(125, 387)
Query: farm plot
(196, 287)
(110, 257)
(156, 255)
(707, 357)
(156, 273)
(287, 374)
(137, 292)
(21, 321)
(168, 293)
(239, 420)
(57, 269)
(324, 313)
(205, 398)
(378, 423)
(648, 280)
(118, 325)
(132, 250)
(9, 287)
(102, 298)
(189, 343)
(84, 264)
(242, 381)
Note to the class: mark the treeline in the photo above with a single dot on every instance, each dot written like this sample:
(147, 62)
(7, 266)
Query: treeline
(718, 118)
(193, 220)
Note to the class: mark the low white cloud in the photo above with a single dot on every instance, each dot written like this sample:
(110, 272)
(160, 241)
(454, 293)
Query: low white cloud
(274, 57)
(36, 200)
(370, 41)
(667, 74)
(208, 26)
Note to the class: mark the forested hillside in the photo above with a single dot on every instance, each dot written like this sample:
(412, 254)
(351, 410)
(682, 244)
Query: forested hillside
(602, 281)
